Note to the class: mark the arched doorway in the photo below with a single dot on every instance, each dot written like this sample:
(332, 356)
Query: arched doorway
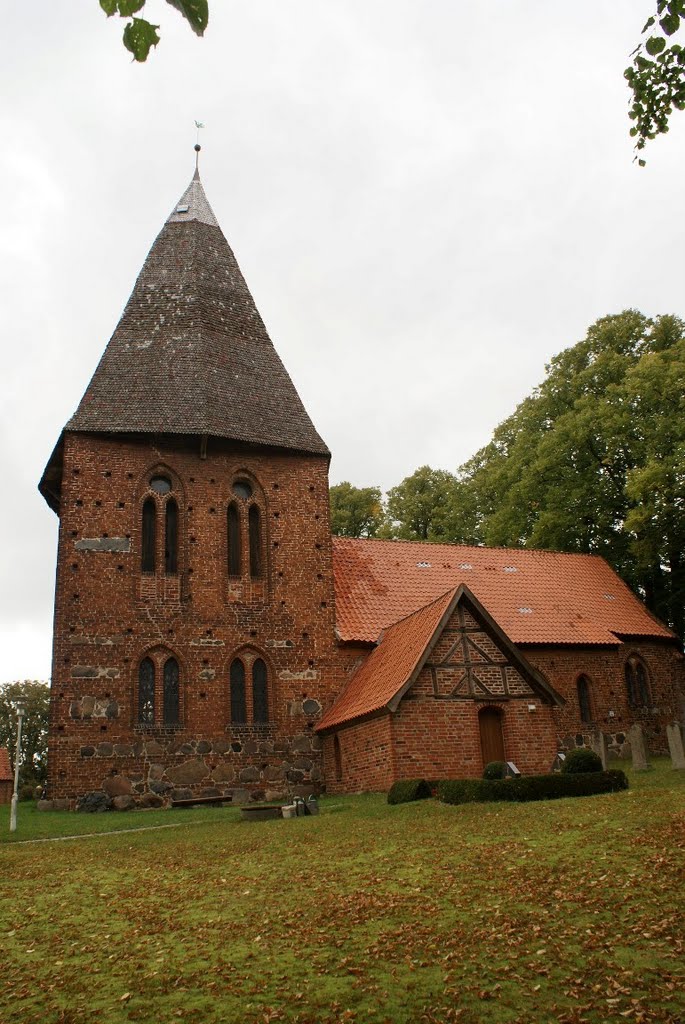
(491, 735)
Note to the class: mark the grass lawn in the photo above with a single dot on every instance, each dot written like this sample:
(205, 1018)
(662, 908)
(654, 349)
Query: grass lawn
(567, 911)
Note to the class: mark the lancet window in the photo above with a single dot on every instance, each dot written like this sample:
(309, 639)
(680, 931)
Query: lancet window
(249, 703)
(244, 527)
(584, 702)
(160, 527)
(637, 682)
(159, 690)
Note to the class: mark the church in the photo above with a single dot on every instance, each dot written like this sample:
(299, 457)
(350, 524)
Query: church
(212, 639)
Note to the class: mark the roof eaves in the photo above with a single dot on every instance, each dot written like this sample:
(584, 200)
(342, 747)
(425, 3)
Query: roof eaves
(518, 660)
(394, 702)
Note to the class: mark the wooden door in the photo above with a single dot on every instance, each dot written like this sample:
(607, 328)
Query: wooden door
(491, 737)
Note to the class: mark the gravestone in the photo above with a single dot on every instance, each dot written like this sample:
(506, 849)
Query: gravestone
(675, 746)
(638, 749)
(598, 743)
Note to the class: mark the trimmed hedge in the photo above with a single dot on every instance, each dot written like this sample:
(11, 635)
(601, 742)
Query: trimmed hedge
(495, 770)
(408, 789)
(581, 760)
(530, 787)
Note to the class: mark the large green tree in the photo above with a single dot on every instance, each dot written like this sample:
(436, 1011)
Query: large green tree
(594, 459)
(356, 511)
(140, 35)
(657, 74)
(422, 506)
(35, 697)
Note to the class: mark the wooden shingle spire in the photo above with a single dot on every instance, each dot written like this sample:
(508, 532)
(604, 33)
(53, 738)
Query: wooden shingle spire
(191, 354)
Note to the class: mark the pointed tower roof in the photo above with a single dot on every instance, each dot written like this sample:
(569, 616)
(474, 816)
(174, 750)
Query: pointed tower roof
(191, 354)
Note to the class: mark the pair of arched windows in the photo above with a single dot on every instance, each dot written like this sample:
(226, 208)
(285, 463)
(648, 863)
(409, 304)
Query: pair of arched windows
(159, 706)
(637, 682)
(160, 518)
(161, 525)
(244, 532)
(259, 692)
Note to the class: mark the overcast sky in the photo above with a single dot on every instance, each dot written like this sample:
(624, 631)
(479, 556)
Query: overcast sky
(428, 198)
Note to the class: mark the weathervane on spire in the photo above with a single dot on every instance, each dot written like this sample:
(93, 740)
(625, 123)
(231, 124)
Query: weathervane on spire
(198, 147)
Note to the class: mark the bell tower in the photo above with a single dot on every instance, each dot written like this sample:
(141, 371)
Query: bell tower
(194, 636)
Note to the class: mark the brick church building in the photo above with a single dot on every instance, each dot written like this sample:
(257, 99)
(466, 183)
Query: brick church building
(211, 637)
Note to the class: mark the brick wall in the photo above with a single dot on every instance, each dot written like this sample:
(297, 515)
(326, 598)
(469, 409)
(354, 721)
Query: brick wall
(605, 670)
(109, 615)
(365, 759)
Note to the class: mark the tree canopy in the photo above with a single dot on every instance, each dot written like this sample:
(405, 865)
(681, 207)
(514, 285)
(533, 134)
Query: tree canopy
(140, 35)
(421, 506)
(657, 74)
(356, 511)
(592, 461)
(34, 733)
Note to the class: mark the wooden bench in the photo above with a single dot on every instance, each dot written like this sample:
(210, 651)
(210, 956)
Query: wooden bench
(192, 801)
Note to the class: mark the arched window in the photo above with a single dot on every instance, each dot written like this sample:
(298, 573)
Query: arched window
(159, 690)
(255, 533)
(260, 697)
(146, 691)
(149, 535)
(583, 687)
(171, 692)
(637, 683)
(234, 544)
(171, 537)
(337, 758)
(245, 530)
(238, 704)
(160, 525)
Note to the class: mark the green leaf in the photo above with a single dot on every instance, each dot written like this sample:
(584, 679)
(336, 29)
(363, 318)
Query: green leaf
(129, 7)
(654, 45)
(670, 24)
(648, 24)
(196, 13)
(109, 7)
(139, 36)
(642, 163)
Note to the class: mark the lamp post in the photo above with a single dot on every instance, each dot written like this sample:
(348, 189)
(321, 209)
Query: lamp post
(20, 709)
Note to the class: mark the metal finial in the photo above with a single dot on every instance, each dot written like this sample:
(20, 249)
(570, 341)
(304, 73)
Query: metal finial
(198, 147)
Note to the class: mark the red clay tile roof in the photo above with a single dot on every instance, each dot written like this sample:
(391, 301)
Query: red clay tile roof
(191, 354)
(5, 766)
(536, 597)
(389, 665)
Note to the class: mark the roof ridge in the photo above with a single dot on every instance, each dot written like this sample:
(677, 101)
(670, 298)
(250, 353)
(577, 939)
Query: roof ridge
(403, 541)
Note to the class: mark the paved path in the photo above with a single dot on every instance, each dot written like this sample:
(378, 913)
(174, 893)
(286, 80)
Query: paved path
(112, 832)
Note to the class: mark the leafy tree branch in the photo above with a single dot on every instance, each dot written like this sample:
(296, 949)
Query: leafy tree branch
(657, 74)
(141, 35)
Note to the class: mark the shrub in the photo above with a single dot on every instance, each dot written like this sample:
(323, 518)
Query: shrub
(26, 792)
(408, 789)
(530, 787)
(495, 770)
(581, 760)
